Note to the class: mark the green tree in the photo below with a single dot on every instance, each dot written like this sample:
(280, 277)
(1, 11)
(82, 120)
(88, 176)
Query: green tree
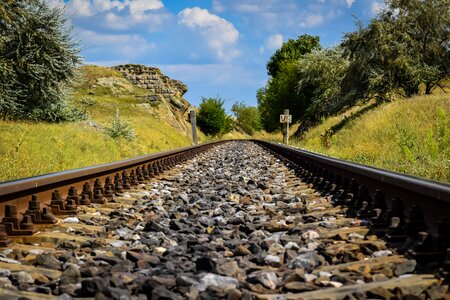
(292, 50)
(39, 57)
(281, 93)
(212, 118)
(281, 90)
(247, 117)
(320, 75)
(405, 46)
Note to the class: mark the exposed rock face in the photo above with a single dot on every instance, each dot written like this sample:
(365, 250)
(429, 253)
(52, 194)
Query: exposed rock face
(160, 87)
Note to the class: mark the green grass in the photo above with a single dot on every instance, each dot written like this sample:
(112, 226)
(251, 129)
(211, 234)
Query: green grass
(408, 136)
(28, 149)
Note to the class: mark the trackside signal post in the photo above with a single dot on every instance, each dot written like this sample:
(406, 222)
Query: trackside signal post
(193, 120)
(286, 119)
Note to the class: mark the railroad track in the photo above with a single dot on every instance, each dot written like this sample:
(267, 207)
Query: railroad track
(250, 220)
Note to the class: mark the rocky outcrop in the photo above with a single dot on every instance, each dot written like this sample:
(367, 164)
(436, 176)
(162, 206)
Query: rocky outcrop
(161, 88)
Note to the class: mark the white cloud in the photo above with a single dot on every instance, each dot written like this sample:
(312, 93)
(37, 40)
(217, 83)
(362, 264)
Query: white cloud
(274, 41)
(106, 5)
(140, 6)
(88, 8)
(376, 7)
(248, 8)
(217, 6)
(221, 36)
(127, 45)
(349, 2)
(80, 8)
(312, 20)
(150, 22)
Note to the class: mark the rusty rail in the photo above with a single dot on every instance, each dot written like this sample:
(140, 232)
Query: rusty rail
(412, 213)
(59, 193)
(398, 206)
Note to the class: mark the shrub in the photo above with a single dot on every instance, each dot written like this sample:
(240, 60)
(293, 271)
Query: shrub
(248, 118)
(212, 118)
(120, 129)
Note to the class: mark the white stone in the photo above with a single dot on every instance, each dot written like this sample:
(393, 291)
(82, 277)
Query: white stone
(310, 235)
(117, 244)
(71, 220)
(217, 280)
(325, 274)
(159, 250)
(334, 284)
(382, 253)
(355, 236)
(310, 277)
(291, 245)
(272, 259)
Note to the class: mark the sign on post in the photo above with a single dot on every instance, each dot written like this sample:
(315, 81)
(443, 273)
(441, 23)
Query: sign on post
(286, 119)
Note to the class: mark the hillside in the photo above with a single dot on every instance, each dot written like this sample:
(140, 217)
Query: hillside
(409, 136)
(152, 105)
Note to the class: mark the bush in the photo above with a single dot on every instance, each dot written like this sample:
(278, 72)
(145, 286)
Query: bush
(248, 118)
(120, 129)
(212, 118)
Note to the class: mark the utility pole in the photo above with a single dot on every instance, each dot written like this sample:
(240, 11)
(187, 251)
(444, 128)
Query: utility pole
(285, 119)
(193, 120)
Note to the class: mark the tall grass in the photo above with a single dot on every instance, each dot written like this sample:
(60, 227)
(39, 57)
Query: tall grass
(408, 136)
(28, 149)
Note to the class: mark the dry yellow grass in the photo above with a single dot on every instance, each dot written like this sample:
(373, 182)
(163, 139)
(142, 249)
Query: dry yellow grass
(408, 136)
(28, 149)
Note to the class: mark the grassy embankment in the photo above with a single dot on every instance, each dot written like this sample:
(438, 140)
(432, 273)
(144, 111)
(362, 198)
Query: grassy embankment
(408, 136)
(28, 149)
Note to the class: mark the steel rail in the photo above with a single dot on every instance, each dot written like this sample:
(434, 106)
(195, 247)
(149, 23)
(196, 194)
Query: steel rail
(18, 192)
(429, 188)
(431, 196)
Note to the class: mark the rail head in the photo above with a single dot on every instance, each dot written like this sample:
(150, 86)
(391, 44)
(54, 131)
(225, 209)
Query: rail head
(425, 187)
(47, 181)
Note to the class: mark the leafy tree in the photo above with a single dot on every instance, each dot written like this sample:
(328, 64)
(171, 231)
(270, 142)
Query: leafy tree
(425, 24)
(292, 50)
(212, 118)
(247, 117)
(281, 93)
(320, 75)
(405, 46)
(39, 58)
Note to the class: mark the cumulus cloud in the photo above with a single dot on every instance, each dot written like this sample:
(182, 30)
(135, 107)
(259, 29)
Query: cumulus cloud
(150, 22)
(80, 8)
(105, 5)
(221, 36)
(87, 8)
(140, 6)
(279, 15)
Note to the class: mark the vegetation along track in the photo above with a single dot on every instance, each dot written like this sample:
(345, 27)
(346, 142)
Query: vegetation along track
(237, 219)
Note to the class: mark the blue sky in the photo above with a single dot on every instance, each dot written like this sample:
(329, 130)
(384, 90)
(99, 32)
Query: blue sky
(217, 47)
